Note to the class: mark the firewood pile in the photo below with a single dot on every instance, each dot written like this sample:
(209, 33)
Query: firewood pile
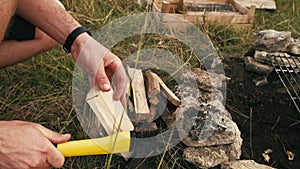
(148, 100)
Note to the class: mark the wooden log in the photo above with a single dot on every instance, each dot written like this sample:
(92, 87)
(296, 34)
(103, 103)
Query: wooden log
(166, 6)
(166, 91)
(180, 5)
(152, 114)
(145, 127)
(108, 111)
(153, 88)
(153, 84)
(168, 118)
(138, 91)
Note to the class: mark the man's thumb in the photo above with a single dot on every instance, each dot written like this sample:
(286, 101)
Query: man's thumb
(53, 136)
(102, 80)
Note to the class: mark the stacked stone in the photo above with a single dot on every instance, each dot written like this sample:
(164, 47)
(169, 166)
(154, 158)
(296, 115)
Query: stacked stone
(212, 138)
(206, 127)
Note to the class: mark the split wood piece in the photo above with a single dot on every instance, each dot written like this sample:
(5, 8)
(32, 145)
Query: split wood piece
(152, 114)
(145, 126)
(157, 110)
(180, 5)
(153, 87)
(166, 91)
(130, 109)
(166, 6)
(139, 93)
(108, 111)
(167, 117)
(140, 101)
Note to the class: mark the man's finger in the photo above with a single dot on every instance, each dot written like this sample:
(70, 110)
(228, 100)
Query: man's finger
(121, 83)
(55, 158)
(101, 79)
(53, 136)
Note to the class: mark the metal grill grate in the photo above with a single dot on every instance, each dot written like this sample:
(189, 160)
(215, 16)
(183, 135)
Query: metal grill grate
(287, 68)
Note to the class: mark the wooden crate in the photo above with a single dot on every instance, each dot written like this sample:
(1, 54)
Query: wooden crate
(210, 12)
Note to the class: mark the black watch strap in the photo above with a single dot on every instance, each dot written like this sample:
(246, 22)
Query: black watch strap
(72, 36)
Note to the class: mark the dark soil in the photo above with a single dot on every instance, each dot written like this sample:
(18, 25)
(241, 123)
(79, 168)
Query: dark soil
(274, 118)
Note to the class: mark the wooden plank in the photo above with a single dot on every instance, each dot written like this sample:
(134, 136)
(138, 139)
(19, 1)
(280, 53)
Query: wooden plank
(173, 5)
(260, 4)
(199, 21)
(206, 1)
(242, 9)
(108, 111)
(138, 91)
(221, 19)
(251, 14)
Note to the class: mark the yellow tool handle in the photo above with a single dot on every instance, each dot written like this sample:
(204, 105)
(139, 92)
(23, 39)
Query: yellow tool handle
(116, 143)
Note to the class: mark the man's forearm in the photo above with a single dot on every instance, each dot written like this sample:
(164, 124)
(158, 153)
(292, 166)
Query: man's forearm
(49, 17)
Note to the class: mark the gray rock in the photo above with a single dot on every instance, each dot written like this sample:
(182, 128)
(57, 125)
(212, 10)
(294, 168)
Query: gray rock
(210, 156)
(205, 157)
(218, 129)
(262, 57)
(261, 81)
(235, 149)
(244, 164)
(294, 48)
(257, 67)
(272, 40)
(208, 80)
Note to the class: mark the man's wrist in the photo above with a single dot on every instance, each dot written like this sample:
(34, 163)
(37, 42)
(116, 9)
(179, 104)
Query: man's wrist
(78, 44)
(73, 36)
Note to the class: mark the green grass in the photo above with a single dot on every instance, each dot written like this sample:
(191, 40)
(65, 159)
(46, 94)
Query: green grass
(39, 89)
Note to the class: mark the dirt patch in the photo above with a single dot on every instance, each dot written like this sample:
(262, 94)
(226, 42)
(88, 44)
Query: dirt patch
(274, 118)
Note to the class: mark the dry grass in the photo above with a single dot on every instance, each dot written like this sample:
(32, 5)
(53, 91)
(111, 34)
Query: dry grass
(39, 89)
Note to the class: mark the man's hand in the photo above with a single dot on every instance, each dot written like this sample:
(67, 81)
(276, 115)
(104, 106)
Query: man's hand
(29, 145)
(103, 66)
